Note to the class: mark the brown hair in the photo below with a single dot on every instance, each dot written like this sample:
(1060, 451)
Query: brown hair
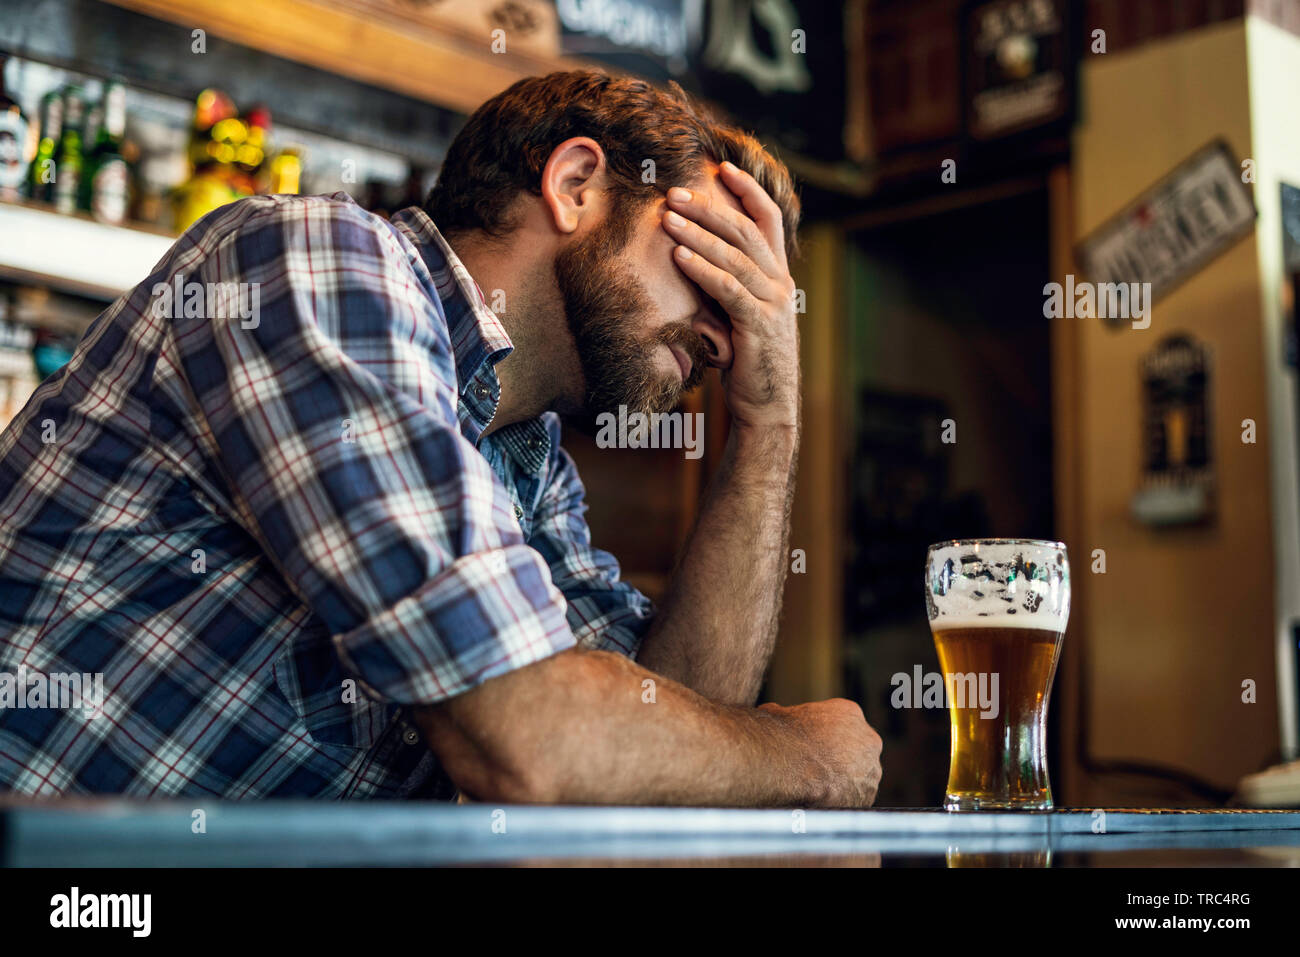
(503, 147)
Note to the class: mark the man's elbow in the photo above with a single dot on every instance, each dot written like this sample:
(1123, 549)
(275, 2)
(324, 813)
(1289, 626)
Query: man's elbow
(510, 739)
(505, 781)
(518, 787)
(488, 768)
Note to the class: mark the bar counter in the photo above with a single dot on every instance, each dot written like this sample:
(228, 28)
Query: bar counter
(116, 833)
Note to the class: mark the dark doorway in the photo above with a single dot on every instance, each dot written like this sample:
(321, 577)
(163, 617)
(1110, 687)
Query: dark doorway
(951, 438)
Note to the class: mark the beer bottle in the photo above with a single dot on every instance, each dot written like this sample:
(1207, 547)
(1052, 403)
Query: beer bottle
(68, 159)
(13, 143)
(107, 178)
(89, 132)
(40, 178)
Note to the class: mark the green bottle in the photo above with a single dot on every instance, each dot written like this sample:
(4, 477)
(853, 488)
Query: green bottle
(40, 178)
(89, 131)
(68, 158)
(107, 178)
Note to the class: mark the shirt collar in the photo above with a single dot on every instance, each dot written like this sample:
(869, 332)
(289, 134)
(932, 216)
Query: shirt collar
(478, 340)
(477, 336)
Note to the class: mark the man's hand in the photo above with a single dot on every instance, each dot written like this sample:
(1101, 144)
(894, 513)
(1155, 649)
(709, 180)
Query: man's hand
(845, 747)
(740, 261)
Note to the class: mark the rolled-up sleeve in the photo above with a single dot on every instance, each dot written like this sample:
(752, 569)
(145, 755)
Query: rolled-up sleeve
(333, 418)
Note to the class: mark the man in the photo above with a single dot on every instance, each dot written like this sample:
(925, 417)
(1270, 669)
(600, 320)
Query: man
(313, 524)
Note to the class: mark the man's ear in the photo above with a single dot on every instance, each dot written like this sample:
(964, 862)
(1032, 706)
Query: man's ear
(572, 182)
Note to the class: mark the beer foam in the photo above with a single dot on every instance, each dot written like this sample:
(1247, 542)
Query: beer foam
(995, 583)
(1018, 620)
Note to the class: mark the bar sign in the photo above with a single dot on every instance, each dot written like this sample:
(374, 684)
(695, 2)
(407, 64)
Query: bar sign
(1175, 227)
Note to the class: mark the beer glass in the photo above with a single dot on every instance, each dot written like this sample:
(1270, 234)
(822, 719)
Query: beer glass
(997, 610)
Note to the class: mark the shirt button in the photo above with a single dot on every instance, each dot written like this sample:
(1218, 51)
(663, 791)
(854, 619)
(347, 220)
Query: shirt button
(481, 391)
(534, 443)
(410, 736)
(519, 512)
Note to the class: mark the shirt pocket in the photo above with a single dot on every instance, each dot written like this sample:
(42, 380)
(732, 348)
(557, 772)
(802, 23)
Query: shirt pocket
(328, 701)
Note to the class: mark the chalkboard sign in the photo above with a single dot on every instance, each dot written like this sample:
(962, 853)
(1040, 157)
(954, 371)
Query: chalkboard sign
(776, 66)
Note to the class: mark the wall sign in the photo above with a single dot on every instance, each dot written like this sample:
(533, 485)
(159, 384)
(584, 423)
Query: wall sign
(1175, 227)
(1177, 484)
(1290, 291)
(1019, 72)
(649, 37)
(776, 66)
(1290, 200)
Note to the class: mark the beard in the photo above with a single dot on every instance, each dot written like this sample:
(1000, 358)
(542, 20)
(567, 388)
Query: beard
(604, 304)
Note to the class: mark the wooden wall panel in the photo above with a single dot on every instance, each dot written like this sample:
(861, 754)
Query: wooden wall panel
(1181, 616)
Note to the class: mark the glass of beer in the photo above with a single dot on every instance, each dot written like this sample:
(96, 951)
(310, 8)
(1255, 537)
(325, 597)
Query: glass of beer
(998, 608)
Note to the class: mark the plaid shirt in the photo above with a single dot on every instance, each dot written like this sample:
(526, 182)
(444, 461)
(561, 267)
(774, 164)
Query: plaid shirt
(274, 534)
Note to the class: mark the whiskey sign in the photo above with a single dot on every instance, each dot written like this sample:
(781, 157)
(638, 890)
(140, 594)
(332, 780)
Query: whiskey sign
(1175, 227)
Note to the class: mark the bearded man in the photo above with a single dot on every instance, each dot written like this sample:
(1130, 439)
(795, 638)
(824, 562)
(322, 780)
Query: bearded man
(331, 546)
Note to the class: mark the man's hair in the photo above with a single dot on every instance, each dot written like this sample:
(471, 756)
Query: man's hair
(504, 146)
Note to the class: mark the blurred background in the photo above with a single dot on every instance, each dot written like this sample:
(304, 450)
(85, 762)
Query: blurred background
(954, 158)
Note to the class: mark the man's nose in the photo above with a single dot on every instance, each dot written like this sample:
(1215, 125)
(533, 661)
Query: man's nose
(717, 339)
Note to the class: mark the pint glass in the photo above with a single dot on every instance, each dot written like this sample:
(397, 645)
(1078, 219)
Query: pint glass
(997, 610)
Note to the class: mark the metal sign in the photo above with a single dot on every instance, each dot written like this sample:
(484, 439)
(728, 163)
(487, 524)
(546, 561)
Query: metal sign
(1175, 227)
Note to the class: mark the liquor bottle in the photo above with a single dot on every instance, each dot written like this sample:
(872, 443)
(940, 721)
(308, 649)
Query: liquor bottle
(90, 128)
(216, 133)
(40, 178)
(89, 132)
(107, 178)
(13, 143)
(286, 171)
(251, 154)
(68, 159)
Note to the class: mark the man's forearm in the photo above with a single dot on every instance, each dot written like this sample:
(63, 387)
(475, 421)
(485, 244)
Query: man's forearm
(583, 727)
(716, 626)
